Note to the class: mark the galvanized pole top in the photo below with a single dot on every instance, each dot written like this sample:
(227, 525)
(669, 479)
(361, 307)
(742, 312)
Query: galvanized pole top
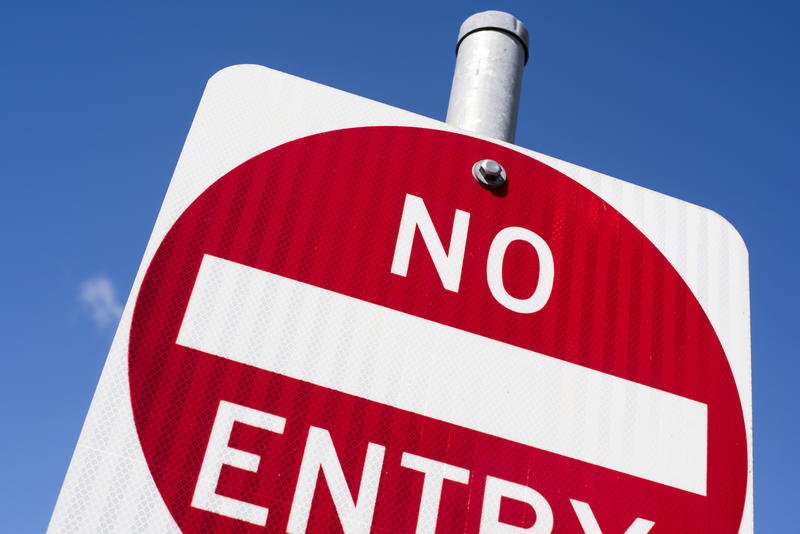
(493, 47)
(496, 20)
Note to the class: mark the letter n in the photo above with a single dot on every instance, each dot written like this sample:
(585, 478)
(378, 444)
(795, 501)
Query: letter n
(448, 264)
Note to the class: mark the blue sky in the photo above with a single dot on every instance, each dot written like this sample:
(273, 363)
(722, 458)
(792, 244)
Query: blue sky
(694, 99)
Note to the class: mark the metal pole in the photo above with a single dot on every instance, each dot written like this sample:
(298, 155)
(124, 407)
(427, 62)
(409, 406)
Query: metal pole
(492, 49)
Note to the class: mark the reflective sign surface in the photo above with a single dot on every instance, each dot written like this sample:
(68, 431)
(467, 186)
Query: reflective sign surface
(347, 332)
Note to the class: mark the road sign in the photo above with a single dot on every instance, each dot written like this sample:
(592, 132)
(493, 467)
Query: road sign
(336, 327)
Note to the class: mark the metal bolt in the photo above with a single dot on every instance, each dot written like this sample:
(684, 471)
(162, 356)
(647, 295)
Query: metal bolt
(489, 173)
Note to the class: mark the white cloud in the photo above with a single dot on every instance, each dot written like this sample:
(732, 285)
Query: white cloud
(98, 297)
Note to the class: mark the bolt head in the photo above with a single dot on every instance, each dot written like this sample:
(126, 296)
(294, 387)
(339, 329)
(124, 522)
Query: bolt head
(490, 168)
(489, 173)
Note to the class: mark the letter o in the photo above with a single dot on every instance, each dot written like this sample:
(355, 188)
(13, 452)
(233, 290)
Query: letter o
(494, 270)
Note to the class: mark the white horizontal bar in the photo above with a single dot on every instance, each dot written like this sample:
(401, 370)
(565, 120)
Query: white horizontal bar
(307, 333)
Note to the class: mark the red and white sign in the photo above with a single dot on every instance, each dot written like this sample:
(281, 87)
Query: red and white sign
(347, 333)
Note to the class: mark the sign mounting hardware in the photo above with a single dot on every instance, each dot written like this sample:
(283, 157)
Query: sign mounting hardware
(489, 173)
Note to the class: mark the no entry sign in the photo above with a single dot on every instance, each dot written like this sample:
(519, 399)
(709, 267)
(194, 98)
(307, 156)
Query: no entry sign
(347, 333)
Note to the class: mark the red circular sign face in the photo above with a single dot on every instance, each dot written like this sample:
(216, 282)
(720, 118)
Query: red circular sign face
(235, 445)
